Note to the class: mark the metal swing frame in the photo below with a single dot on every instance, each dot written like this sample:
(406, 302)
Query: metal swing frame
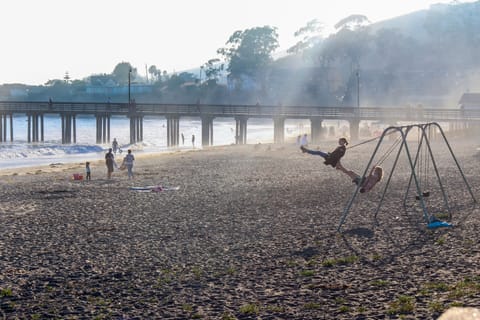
(404, 131)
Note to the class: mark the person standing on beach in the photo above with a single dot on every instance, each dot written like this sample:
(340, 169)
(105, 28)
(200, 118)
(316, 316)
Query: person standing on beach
(87, 171)
(193, 140)
(304, 140)
(330, 158)
(115, 145)
(128, 161)
(183, 139)
(109, 161)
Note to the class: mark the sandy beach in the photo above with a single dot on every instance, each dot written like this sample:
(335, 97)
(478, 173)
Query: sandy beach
(251, 233)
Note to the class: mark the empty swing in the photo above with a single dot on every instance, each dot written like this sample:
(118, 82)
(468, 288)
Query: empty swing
(423, 168)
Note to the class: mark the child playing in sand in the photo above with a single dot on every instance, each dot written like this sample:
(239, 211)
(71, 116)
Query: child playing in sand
(330, 158)
(87, 170)
(375, 176)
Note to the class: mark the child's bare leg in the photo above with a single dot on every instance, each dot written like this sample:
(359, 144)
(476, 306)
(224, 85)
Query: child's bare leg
(349, 173)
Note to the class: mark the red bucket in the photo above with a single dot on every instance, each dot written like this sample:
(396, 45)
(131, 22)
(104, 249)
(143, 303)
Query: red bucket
(77, 176)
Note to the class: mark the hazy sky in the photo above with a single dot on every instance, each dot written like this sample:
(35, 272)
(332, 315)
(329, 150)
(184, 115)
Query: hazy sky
(43, 39)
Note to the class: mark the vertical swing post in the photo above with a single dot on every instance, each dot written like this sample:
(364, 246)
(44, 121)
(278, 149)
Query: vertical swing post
(445, 198)
(420, 142)
(390, 176)
(456, 161)
(415, 179)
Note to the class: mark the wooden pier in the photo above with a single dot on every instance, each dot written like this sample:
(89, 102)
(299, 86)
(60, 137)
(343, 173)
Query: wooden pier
(68, 111)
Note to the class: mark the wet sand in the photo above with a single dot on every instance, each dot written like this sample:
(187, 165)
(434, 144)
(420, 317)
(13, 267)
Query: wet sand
(251, 233)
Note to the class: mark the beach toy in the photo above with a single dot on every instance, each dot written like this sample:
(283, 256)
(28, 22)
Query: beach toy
(435, 223)
(77, 176)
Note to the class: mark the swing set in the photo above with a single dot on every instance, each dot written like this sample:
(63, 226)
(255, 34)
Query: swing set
(420, 165)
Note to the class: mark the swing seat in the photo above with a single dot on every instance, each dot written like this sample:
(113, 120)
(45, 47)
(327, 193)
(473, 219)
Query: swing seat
(424, 194)
(439, 224)
(435, 223)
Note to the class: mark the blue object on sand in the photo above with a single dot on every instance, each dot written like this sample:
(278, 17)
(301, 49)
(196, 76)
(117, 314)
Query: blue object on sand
(435, 223)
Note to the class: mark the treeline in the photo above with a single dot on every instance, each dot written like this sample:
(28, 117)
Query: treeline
(427, 57)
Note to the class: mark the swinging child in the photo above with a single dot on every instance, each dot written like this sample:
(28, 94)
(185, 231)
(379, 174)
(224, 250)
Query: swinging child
(330, 158)
(366, 184)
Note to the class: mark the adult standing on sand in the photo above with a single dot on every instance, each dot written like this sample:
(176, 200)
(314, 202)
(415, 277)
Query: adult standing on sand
(128, 161)
(193, 140)
(115, 145)
(109, 161)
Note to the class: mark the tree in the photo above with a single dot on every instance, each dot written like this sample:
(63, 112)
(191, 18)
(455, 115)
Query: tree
(347, 45)
(352, 22)
(248, 52)
(213, 69)
(155, 73)
(121, 72)
(55, 83)
(310, 37)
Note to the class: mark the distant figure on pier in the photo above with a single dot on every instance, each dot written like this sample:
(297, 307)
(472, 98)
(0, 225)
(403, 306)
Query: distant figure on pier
(87, 171)
(109, 161)
(193, 140)
(115, 145)
(183, 139)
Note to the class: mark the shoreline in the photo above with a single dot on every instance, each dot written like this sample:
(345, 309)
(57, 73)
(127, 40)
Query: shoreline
(99, 163)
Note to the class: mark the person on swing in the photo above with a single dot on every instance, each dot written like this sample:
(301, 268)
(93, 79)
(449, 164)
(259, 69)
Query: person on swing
(330, 158)
(366, 184)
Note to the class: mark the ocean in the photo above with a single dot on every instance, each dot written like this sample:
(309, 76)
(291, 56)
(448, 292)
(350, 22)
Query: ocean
(20, 153)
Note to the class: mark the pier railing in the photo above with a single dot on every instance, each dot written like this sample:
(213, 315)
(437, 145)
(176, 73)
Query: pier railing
(259, 111)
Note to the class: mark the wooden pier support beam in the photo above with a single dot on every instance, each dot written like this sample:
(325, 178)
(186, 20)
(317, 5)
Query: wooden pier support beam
(173, 130)
(102, 128)
(136, 128)
(42, 128)
(5, 127)
(2, 135)
(241, 130)
(35, 130)
(354, 129)
(11, 128)
(279, 129)
(316, 129)
(207, 130)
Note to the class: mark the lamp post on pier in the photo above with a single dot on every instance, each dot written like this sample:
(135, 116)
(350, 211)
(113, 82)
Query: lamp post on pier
(129, 81)
(358, 88)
